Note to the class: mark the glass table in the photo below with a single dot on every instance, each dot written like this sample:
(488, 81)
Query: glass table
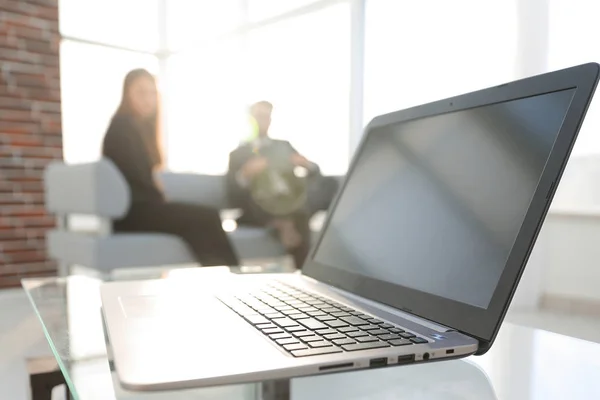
(524, 363)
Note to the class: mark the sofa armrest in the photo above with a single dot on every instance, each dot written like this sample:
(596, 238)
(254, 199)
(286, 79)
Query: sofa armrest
(207, 190)
(96, 188)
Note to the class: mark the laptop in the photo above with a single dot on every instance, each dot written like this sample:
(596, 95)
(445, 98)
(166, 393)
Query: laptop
(417, 261)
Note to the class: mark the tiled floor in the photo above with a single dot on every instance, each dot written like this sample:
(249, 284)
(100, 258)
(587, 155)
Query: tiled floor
(21, 336)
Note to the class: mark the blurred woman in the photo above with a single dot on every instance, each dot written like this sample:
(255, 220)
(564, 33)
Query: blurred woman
(133, 144)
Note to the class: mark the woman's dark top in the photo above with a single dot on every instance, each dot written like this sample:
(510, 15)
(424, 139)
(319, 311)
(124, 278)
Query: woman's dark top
(135, 157)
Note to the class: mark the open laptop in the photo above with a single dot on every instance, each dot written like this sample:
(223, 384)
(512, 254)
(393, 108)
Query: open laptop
(418, 259)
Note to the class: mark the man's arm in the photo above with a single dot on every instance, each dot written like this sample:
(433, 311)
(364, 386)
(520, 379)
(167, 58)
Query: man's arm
(236, 190)
(301, 161)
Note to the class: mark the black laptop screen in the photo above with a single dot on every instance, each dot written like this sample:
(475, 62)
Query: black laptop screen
(435, 204)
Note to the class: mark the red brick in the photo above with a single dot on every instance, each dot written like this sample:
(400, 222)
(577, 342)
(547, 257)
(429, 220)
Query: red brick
(10, 103)
(20, 235)
(48, 23)
(15, 115)
(24, 257)
(27, 267)
(23, 211)
(26, 32)
(24, 140)
(26, 57)
(14, 281)
(38, 46)
(16, 245)
(19, 127)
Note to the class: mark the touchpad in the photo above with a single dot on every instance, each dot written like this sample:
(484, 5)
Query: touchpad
(163, 305)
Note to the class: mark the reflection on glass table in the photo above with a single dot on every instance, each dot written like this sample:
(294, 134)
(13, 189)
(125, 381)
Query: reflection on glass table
(524, 363)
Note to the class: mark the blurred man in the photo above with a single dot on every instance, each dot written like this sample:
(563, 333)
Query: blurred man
(263, 181)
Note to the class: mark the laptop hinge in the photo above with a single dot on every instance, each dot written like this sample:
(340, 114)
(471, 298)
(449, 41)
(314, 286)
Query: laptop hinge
(403, 314)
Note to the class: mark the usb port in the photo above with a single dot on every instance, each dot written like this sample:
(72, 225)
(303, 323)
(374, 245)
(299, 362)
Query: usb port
(406, 359)
(378, 362)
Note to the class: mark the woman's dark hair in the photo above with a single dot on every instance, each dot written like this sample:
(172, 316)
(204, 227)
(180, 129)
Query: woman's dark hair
(153, 139)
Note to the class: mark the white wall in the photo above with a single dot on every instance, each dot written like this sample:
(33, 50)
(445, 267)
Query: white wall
(570, 237)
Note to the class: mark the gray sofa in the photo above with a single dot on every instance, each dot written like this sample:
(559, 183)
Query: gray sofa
(99, 190)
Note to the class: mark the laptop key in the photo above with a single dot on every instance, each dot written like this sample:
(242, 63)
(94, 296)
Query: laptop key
(334, 336)
(396, 330)
(287, 341)
(321, 343)
(399, 342)
(307, 309)
(295, 328)
(344, 341)
(315, 313)
(290, 312)
(295, 346)
(365, 346)
(324, 317)
(375, 321)
(336, 323)
(274, 315)
(357, 334)
(389, 336)
(310, 323)
(387, 326)
(282, 335)
(313, 338)
(284, 322)
(266, 326)
(369, 327)
(355, 321)
(271, 331)
(303, 333)
(407, 335)
(298, 316)
(256, 319)
(340, 314)
(327, 331)
(378, 332)
(330, 309)
(316, 351)
(418, 340)
(362, 339)
(345, 329)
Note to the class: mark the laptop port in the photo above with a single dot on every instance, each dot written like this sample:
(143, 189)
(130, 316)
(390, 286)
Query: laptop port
(406, 359)
(335, 366)
(451, 351)
(378, 362)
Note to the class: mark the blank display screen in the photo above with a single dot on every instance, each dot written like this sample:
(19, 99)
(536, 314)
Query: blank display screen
(435, 204)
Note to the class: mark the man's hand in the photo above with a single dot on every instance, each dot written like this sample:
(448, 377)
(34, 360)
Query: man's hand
(300, 161)
(254, 166)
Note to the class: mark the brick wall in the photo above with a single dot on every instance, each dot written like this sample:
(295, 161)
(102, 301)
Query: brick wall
(30, 133)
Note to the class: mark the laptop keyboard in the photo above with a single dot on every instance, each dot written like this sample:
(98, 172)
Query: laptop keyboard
(306, 324)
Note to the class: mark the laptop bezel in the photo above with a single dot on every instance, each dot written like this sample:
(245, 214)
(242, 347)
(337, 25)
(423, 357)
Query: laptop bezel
(480, 323)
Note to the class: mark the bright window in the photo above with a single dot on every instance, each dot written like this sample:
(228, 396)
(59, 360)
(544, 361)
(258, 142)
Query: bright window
(572, 35)
(206, 110)
(420, 51)
(91, 86)
(125, 23)
(301, 65)
(194, 22)
(261, 9)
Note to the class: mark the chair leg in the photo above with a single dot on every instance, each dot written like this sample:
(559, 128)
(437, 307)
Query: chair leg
(64, 269)
(44, 375)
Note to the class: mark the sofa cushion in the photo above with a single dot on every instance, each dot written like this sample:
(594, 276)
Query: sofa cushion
(96, 188)
(123, 250)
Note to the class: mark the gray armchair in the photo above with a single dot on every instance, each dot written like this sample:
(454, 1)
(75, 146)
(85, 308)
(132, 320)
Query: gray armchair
(99, 190)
